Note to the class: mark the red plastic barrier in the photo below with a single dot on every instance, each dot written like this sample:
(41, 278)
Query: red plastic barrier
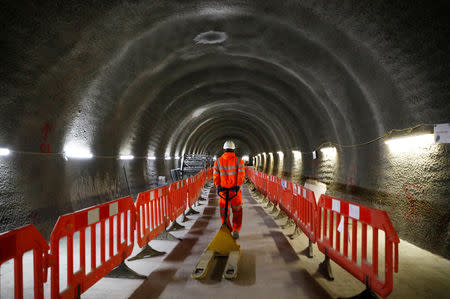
(13, 245)
(261, 183)
(191, 191)
(273, 189)
(152, 215)
(285, 196)
(328, 240)
(67, 225)
(304, 210)
(210, 174)
(265, 181)
(177, 198)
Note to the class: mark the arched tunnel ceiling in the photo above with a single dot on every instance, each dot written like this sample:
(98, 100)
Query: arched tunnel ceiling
(167, 78)
(290, 55)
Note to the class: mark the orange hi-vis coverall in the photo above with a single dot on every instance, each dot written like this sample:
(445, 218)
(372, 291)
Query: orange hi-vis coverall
(228, 172)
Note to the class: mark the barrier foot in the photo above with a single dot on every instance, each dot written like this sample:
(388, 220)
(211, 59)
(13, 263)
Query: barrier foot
(297, 232)
(366, 294)
(175, 226)
(281, 215)
(192, 211)
(146, 252)
(166, 236)
(325, 268)
(123, 271)
(275, 210)
(269, 205)
(185, 218)
(289, 223)
(310, 249)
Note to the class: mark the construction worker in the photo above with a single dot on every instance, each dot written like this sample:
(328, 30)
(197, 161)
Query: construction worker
(229, 172)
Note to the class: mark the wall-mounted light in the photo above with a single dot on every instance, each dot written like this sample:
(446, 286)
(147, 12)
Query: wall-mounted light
(168, 158)
(245, 158)
(297, 154)
(198, 112)
(410, 143)
(126, 157)
(329, 152)
(177, 158)
(215, 158)
(264, 154)
(151, 157)
(314, 153)
(4, 152)
(77, 152)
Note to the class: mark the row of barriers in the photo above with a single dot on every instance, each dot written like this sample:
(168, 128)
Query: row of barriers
(348, 233)
(98, 239)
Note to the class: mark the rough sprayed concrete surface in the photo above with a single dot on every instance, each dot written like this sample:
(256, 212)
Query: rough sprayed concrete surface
(130, 77)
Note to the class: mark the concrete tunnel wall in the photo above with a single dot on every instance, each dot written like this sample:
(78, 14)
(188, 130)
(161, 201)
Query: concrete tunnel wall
(165, 78)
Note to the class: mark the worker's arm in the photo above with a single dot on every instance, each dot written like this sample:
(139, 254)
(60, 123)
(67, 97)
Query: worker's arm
(241, 173)
(216, 174)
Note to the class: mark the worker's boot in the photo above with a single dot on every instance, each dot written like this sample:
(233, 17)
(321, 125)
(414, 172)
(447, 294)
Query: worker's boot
(235, 234)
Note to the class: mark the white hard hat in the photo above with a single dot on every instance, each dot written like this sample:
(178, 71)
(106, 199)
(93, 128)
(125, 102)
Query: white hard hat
(229, 145)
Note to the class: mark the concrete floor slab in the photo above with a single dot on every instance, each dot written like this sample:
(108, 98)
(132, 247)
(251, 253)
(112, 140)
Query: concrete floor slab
(269, 265)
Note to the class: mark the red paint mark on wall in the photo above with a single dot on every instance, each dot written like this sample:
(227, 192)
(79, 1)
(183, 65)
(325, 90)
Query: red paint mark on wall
(45, 146)
(411, 191)
(351, 179)
(45, 130)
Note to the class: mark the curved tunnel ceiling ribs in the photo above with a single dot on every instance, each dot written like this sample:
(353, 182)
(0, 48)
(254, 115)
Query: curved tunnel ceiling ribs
(313, 63)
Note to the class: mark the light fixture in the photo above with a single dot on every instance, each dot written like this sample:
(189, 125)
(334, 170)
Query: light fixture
(126, 157)
(264, 154)
(297, 154)
(328, 150)
(73, 151)
(4, 152)
(177, 158)
(168, 158)
(151, 157)
(245, 158)
(281, 154)
(410, 143)
(198, 112)
(329, 153)
(215, 158)
(314, 153)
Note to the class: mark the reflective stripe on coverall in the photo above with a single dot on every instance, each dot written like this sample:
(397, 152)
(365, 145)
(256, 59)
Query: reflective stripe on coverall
(229, 171)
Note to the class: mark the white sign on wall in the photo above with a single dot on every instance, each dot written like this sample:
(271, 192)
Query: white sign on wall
(442, 133)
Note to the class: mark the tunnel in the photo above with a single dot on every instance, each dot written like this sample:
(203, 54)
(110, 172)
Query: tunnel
(104, 99)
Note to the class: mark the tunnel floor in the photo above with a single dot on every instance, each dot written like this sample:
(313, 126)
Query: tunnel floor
(269, 266)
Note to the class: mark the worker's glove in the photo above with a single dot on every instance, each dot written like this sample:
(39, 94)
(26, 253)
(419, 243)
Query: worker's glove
(219, 189)
(236, 188)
